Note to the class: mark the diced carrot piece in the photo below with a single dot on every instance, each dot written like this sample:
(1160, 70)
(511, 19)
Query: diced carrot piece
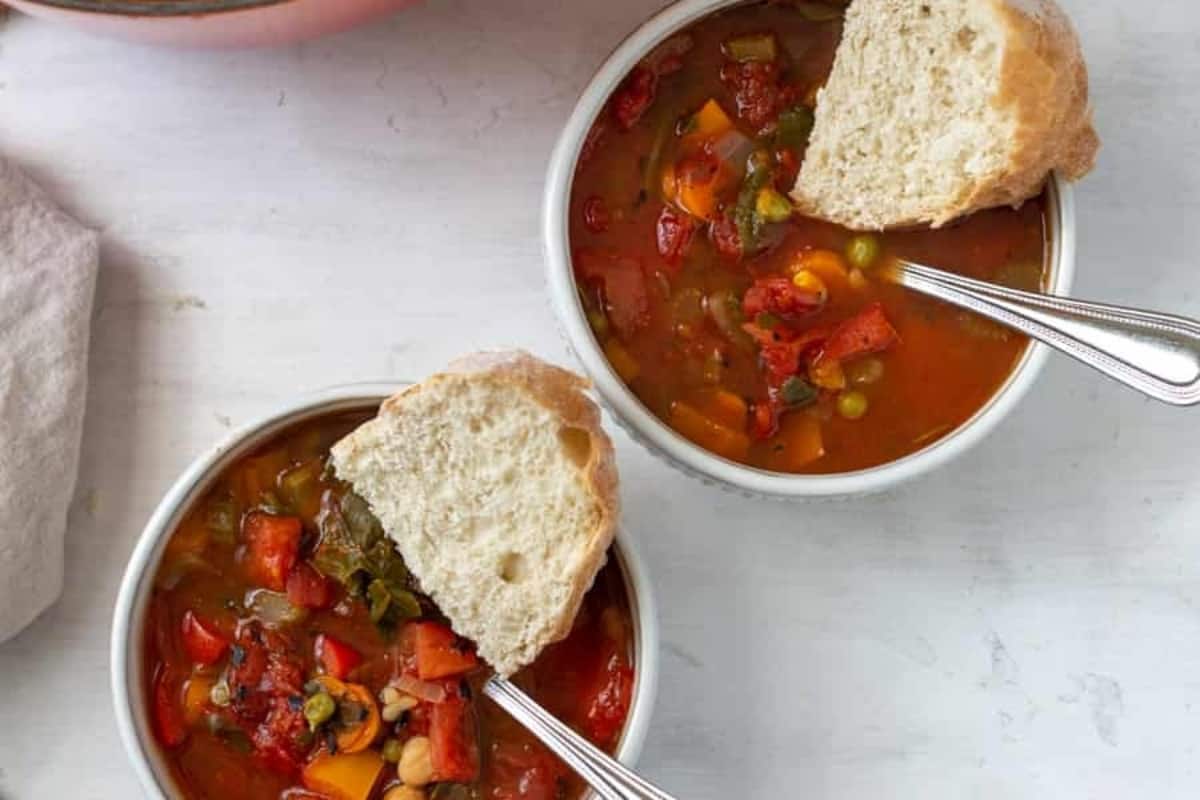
(726, 408)
(345, 776)
(440, 653)
(709, 434)
(625, 364)
(710, 120)
(196, 697)
(797, 444)
(358, 737)
(828, 264)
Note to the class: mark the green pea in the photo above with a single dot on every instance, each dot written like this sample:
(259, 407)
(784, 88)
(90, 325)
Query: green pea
(864, 371)
(391, 750)
(852, 404)
(318, 709)
(862, 250)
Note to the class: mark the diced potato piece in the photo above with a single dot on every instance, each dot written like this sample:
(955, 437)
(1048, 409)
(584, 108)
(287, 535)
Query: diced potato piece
(349, 776)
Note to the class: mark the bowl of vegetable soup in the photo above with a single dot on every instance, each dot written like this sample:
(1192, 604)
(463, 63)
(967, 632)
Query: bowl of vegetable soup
(268, 642)
(749, 345)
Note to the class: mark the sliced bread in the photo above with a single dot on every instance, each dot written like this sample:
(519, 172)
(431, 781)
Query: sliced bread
(499, 488)
(937, 108)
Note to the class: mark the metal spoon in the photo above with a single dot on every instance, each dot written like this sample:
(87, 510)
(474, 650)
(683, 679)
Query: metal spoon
(604, 774)
(1157, 354)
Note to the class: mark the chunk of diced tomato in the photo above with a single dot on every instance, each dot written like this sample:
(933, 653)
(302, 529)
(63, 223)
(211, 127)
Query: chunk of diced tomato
(441, 653)
(634, 96)
(272, 545)
(202, 642)
(608, 704)
(867, 332)
(520, 771)
(674, 232)
(308, 588)
(336, 657)
(453, 748)
(168, 718)
(781, 297)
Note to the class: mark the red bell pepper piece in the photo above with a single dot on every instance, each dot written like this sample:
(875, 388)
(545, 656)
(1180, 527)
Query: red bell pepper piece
(272, 545)
(307, 588)
(201, 641)
(453, 749)
(440, 653)
(867, 332)
(168, 719)
(336, 657)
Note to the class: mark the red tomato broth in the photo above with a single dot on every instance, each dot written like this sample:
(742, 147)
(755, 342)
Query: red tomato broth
(946, 364)
(204, 577)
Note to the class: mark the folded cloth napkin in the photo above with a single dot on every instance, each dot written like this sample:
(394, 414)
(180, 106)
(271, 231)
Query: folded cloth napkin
(48, 264)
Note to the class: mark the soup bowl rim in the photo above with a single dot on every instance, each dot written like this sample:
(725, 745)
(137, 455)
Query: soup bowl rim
(652, 432)
(126, 643)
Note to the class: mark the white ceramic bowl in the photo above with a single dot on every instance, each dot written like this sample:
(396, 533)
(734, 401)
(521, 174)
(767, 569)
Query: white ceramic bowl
(653, 432)
(211, 23)
(128, 682)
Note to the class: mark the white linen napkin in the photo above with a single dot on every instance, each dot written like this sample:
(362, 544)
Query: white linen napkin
(48, 265)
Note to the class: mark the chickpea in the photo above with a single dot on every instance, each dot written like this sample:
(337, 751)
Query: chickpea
(404, 793)
(416, 763)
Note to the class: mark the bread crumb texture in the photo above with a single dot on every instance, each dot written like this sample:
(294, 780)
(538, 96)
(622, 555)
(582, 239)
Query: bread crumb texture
(499, 488)
(937, 108)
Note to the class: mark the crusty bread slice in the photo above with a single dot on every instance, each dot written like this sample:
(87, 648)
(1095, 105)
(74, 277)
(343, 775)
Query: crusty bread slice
(499, 487)
(937, 108)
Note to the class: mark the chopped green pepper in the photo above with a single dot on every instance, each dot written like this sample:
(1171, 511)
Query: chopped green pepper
(752, 47)
(378, 599)
(797, 392)
(221, 517)
(745, 217)
(793, 128)
(817, 12)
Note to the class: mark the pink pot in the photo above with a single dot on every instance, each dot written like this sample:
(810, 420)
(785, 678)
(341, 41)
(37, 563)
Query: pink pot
(212, 23)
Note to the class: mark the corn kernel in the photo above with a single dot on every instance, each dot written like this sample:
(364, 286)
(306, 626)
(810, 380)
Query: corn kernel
(810, 282)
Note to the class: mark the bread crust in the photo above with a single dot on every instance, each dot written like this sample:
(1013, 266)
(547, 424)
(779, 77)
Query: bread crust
(1044, 82)
(1043, 86)
(560, 392)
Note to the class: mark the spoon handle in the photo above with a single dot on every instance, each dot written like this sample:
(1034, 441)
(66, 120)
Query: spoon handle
(1157, 354)
(607, 777)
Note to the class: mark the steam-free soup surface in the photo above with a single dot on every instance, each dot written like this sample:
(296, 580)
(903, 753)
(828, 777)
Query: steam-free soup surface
(761, 335)
(290, 654)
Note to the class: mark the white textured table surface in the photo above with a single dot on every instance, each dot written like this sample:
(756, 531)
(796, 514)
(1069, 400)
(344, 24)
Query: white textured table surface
(1025, 624)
